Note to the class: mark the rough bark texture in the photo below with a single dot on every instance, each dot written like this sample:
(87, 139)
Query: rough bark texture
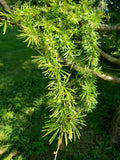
(115, 129)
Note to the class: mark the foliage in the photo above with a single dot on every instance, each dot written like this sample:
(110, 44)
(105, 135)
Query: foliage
(114, 11)
(60, 30)
(23, 104)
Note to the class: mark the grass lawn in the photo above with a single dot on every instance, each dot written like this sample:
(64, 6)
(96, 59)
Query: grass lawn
(22, 100)
(23, 111)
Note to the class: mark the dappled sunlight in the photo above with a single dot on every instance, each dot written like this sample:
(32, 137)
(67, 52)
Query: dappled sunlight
(22, 102)
(2, 136)
(1, 64)
(29, 111)
(5, 133)
(7, 116)
(11, 155)
(28, 64)
(5, 153)
(5, 81)
(2, 150)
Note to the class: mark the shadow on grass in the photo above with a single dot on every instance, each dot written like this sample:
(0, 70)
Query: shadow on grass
(22, 102)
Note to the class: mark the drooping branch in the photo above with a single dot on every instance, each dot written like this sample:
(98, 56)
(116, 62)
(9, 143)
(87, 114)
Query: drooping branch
(4, 4)
(75, 67)
(103, 27)
(110, 58)
(107, 28)
(102, 76)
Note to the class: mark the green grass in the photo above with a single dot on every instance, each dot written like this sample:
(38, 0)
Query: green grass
(22, 100)
(23, 111)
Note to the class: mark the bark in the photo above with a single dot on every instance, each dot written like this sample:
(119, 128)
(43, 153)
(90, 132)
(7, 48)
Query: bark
(102, 76)
(107, 77)
(108, 28)
(110, 58)
(4, 4)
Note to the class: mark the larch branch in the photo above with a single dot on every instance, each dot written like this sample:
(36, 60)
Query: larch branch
(102, 76)
(75, 67)
(110, 58)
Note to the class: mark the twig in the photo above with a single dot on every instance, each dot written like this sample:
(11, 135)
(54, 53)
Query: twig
(58, 147)
(4, 4)
(102, 76)
(110, 58)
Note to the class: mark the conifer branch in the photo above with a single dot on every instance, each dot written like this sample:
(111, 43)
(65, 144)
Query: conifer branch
(75, 67)
(110, 58)
(103, 27)
(102, 76)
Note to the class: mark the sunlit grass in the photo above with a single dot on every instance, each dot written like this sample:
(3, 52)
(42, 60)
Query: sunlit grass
(22, 100)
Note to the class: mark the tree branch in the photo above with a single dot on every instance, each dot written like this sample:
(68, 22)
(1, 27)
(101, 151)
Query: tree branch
(107, 28)
(103, 27)
(4, 4)
(75, 67)
(110, 58)
(107, 78)
(102, 76)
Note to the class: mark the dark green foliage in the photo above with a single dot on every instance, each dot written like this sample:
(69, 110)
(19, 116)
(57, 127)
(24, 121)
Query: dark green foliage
(114, 11)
